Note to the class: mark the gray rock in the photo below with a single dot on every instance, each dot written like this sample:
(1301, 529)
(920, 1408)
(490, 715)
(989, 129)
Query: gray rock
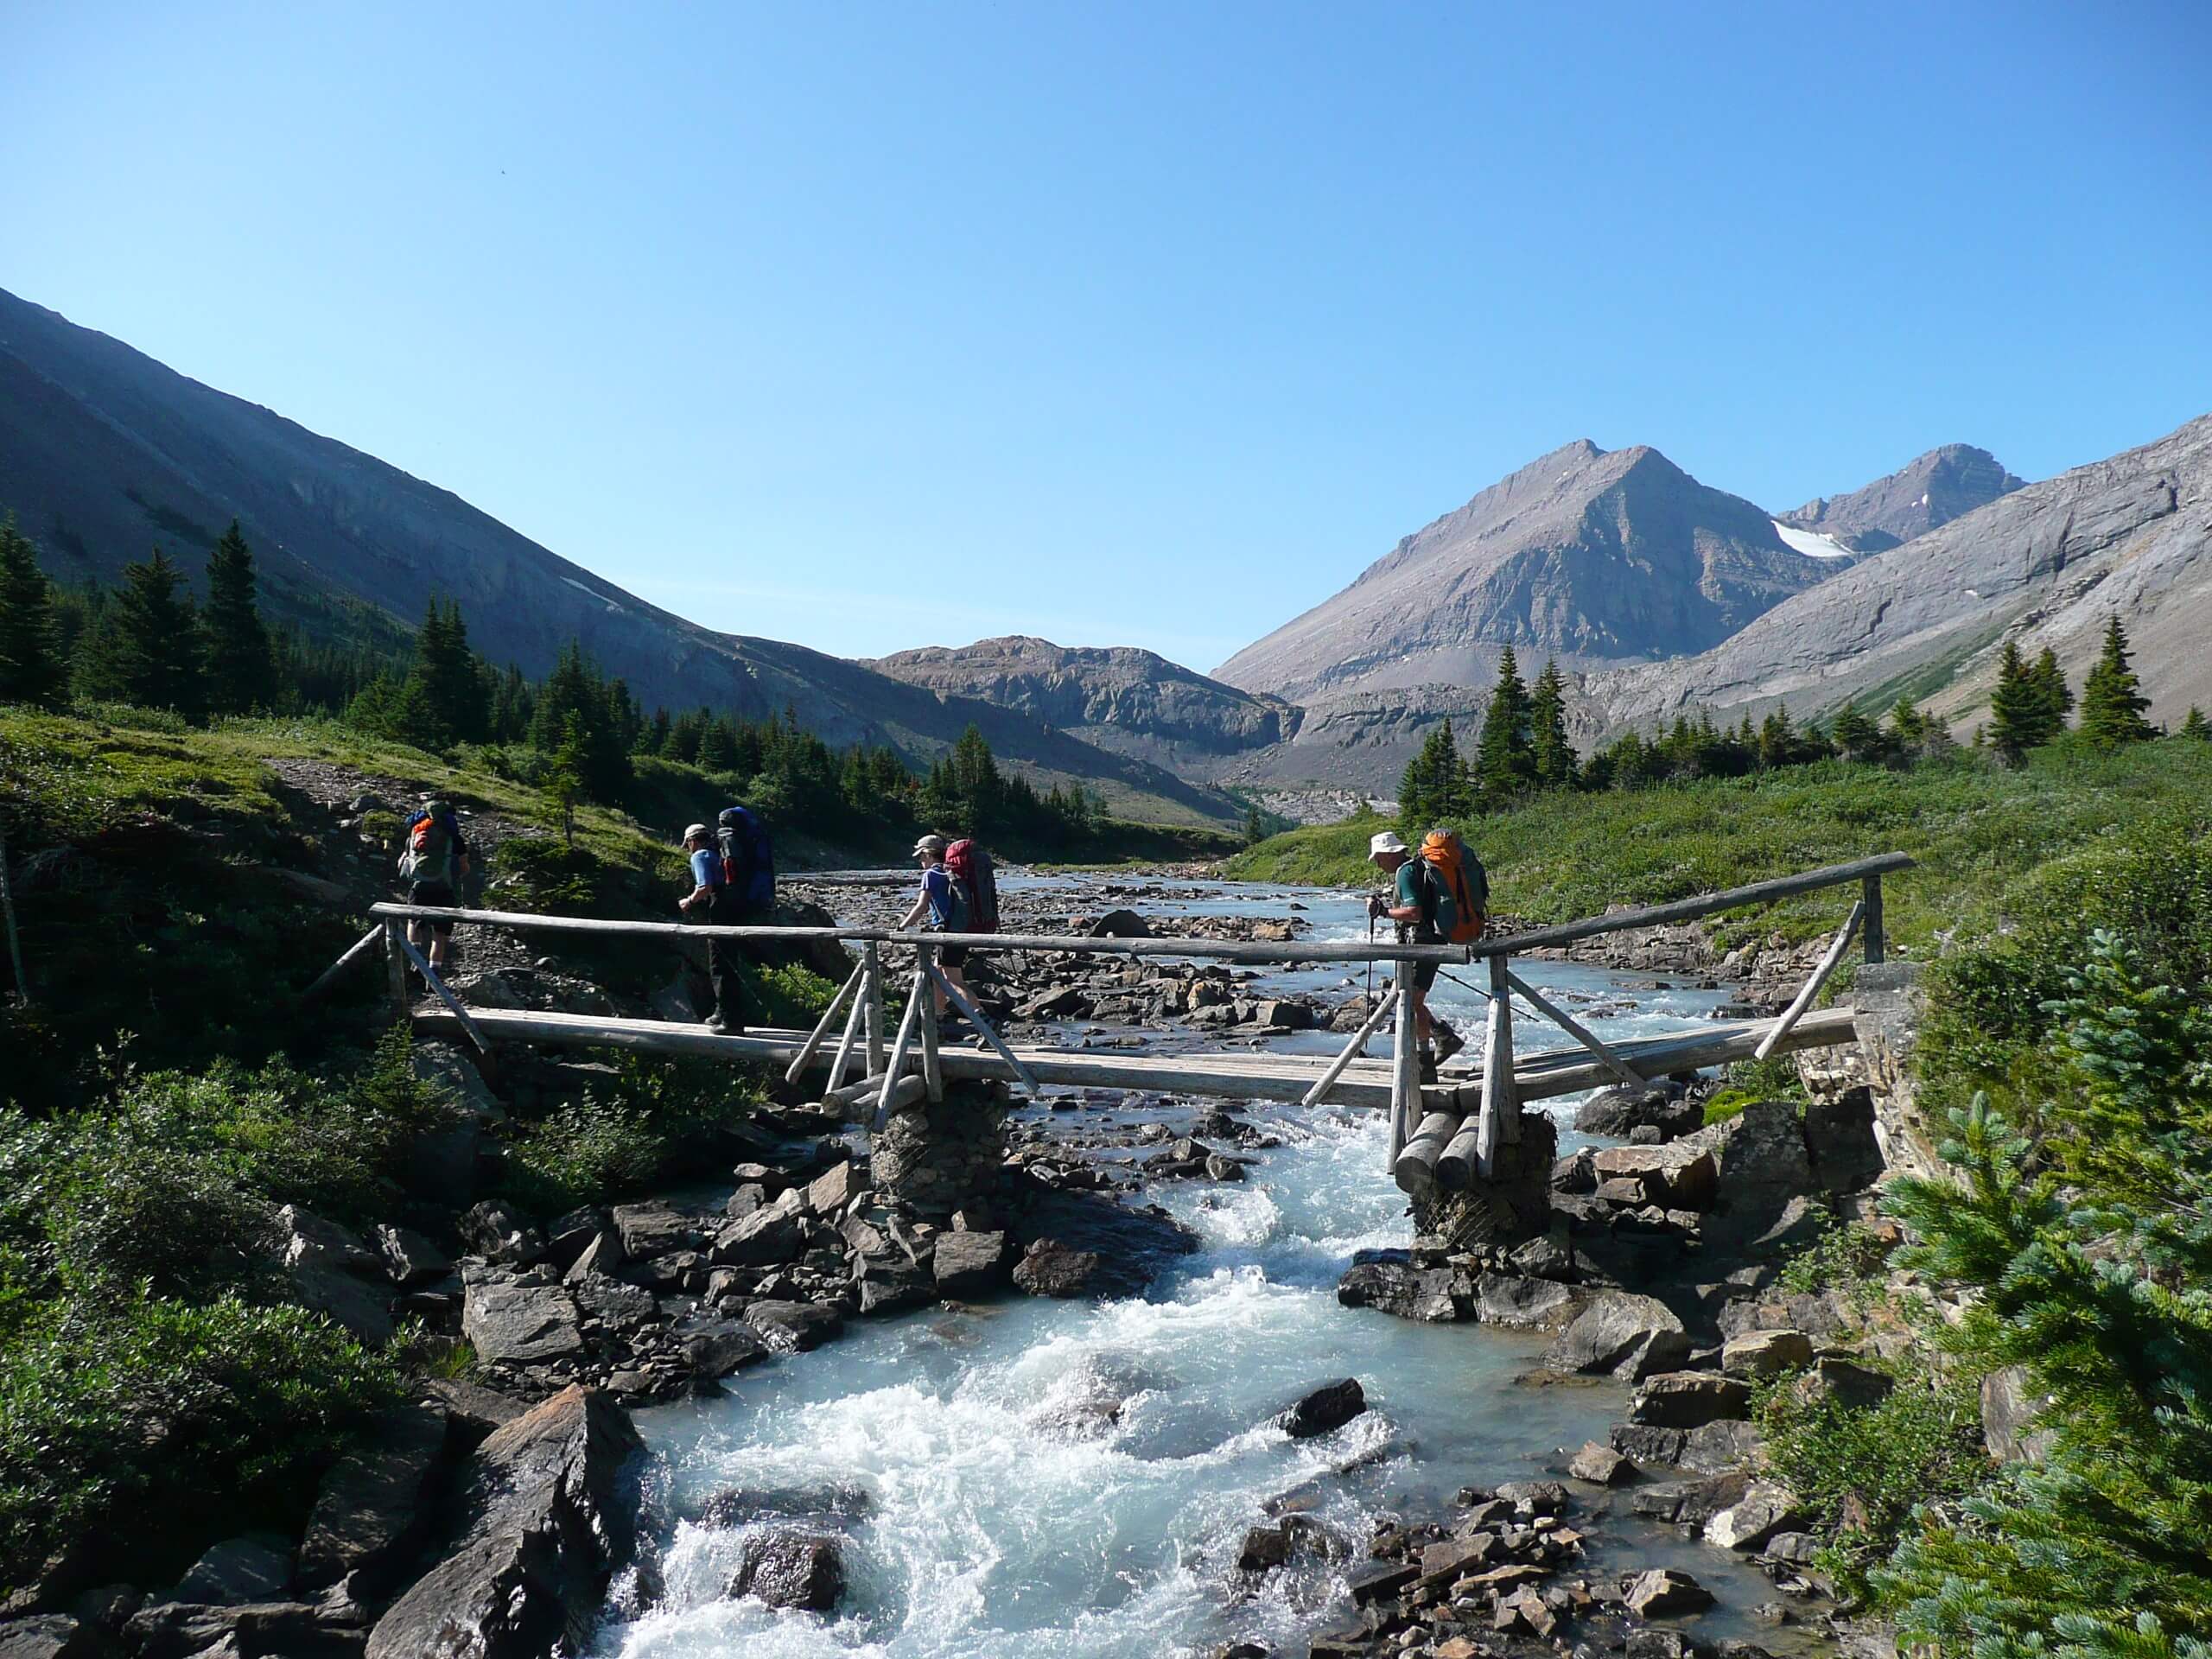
(1940, 486)
(831, 1192)
(649, 1230)
(714, 1348)
(1676, 1177)
(1620, 1335)
(369, 1507)
(1728, 1443)
(793, 1327)
(800, 1570)
(262, 1630)
(2009, 1410)
(770, 1235)
(1619, 1112)
(1766, 1353)
(969, 1265)
(1329, 1407)
(50, 1635)
(1662, 1592)
(1601, 1466)
(1432, 1295)
(497, 1231)
(1530, 1304)
(237, 1571)
(1689, 1399)
(1844, 1380)
(410, 1258)
(1049, 1268)
(473, 1412)
(520, 1323)
(1764, 1510)
(542, 1526)
(615, 1304)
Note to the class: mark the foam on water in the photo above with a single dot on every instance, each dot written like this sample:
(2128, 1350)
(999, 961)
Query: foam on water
(1053, 1478)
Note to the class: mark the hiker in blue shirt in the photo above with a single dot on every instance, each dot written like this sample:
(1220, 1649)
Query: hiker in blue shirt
(945, 905)
(712, 893)
(1426, 914)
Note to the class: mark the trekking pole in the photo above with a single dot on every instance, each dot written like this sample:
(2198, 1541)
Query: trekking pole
(15, 943)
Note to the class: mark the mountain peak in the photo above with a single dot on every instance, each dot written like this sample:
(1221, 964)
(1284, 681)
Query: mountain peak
(1948, 482)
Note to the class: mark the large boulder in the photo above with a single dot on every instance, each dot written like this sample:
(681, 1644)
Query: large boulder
(1676, 1177)
(238, 1571)
(255, 1630)
(369, 1508)
(653, 1229)
(1329, 1407)
(771, 1234)
(1618, 1113)
(1689, 1399)
(1432, 1295)
(802, 1571)
(969, 1265)
(1620, 1335)
(1664, 1592)
(1133, 1245)
(50, 1635)
(542, 1527)
(520, 1323)
(1049, 1268)
(1530, 1304)
(1764, 1510)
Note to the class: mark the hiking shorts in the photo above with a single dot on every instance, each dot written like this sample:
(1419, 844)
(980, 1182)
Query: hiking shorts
(439, 893)
(1425, 976)
(952, 956)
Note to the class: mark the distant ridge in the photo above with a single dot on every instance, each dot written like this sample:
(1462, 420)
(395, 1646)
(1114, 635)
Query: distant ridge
(1927, 492)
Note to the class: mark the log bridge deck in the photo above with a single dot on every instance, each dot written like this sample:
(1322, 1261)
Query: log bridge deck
(1448, 1134)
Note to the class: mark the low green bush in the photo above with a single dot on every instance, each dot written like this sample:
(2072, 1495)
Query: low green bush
(1847, 1257)
(613, 1140)
(221, 1411)
(1862, 1470)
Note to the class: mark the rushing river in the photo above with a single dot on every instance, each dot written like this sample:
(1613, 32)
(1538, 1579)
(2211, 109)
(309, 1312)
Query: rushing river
(1040, 1478)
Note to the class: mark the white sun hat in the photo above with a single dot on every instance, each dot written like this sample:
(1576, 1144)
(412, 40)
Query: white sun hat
(1387, 842)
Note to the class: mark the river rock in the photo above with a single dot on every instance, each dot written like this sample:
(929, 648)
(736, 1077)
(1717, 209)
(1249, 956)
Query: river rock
(1620, 1335)
(615, 1303)
(1688, 1399)
(1601, 1466)
(237, 1571)
(1049, 1268)
(1676, 1177)
(741, 1506)
(1329, 1407)
(831, 1191)
(256, 1629)
(1730, 1443)
(542, 1526)
(1132, 1245)
(1530, 1304)
(1766, 1353)
(713, 1348)
(369, 1508)
(51, 1636)
(770, 1235)
(1764, 1510)
(521, 1325)
(793, 1327)
(1432, 1295)
(649, 1230)
(1619, 1112)
(804, 1572)
(410, 1258)
(497, 1231)
(474, 1413)
(1662, 1592)
(1854, 1385)
(969, 1265)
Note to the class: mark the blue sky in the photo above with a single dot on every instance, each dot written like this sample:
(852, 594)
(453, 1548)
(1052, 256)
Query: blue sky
(871, 326)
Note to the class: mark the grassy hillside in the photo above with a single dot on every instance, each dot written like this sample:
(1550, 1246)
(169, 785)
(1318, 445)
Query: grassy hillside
(1976, 828)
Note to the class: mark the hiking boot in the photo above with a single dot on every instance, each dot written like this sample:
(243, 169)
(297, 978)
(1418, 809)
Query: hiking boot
(1448, 1041)
(714, 1022)
(1428, 1066)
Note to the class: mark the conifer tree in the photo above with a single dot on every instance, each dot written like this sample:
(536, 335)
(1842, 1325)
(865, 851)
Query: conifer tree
(1908, 727)
(1859, 738)
(1777, 739)
(1505, 755)
(2194, 725)
(2049, 681)
(564, 777)
(146, 647)
(716, 753)
(576, 688)
(241, 668)
(30, 660)
(1254, 831)
(2113, 702)
(1554, 749)
(2019, 715)
(1434, 784)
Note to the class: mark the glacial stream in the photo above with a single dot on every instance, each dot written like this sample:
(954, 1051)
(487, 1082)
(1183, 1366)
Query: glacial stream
(1035, 1478)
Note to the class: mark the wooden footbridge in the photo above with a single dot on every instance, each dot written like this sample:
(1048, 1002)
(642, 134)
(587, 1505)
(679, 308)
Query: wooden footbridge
(1446, 1134)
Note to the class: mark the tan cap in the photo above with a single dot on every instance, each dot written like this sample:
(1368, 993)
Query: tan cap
(929, 845)
(696, 829)
(1386, 842)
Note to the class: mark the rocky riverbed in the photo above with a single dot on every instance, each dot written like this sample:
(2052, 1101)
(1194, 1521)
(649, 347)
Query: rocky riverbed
(1104, 1373)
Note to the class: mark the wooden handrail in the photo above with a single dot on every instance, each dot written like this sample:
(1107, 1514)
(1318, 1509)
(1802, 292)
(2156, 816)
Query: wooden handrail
(1686, 910)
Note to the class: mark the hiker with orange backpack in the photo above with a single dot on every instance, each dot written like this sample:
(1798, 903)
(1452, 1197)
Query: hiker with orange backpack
(434, 859)
(1441, 892)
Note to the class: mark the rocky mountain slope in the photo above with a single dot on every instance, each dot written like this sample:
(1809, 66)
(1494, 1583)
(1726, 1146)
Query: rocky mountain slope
(1117, 697)
(2046, 564)
(1940, 486)
(104, 453)
(1597, 557)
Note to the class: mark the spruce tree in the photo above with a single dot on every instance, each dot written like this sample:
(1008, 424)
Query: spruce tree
(1908, 727)
(146, 648)
(1256, 831)
(30, 660)
(1859, 738)
(1505, 755)
(716, 753)
(1778, 740)
(1554, 749)
(2195, 726)
(1435, 783)
(2112, 699)
(2019, 709)
(2049, 681)
(241, 667)
(576, 688)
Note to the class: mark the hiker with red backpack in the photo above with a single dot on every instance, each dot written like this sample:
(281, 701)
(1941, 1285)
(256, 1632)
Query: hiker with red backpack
(733, 882)
(434, 858)
(959, 895)
(1441, 892)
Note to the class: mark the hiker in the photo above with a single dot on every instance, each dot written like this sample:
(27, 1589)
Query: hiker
(435, 861)
(713, 892)
(944, 901)
(1427, 913)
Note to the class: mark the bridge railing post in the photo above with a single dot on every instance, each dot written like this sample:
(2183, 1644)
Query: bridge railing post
(925, 989)
(394, 964)
(1871, 923)
(1405, 1068)
(871, 994)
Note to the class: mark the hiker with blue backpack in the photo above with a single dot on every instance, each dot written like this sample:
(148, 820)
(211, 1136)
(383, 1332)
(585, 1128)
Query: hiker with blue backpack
(959, 895)
(433, 857)
(734, 882)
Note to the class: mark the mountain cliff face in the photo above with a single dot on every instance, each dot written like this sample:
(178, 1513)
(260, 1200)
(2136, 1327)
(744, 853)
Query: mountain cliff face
(104, 453)
(1132, 702)
(1940, 486)
(2046, 564)
(1596, 557)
